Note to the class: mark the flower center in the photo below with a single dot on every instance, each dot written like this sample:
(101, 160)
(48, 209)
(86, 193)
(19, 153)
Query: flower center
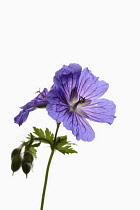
(74, 104)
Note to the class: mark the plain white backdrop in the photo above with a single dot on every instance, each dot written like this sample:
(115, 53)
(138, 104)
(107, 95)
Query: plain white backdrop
(36, 39)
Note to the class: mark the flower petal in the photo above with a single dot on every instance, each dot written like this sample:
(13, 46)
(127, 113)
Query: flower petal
(57, 104)
(59, 110)
(39, 100)
(67, 78)
(89, 85)
(21, 117)
(100, 110)
(79, 126)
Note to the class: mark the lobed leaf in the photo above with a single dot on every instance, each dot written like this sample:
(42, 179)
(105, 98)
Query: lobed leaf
(48, 135)
(64, 146)
(39, 132)
(45, 136)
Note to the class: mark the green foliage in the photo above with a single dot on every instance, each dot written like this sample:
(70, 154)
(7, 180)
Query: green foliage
(39, 132)
(40, 136)
(48, 135)
(45, 137)
(36, 144)
(33, 151)
(25, 159)
(64, 146)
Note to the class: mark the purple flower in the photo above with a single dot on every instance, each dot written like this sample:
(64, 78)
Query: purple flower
(75, 97)
(37, 102)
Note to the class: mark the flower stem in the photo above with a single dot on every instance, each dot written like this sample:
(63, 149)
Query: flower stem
(48, 167)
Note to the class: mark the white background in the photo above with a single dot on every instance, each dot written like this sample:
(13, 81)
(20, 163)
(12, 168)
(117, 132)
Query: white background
(36, 39)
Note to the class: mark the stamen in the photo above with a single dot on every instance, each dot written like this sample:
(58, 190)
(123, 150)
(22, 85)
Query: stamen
(81, 100)
(74, 105)
(40, 93)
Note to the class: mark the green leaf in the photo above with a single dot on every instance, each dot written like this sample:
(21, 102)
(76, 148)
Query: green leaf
(64, 146)
(61, 139)
(39, 132)
(36, 145)
(48, 135)
(33, 151)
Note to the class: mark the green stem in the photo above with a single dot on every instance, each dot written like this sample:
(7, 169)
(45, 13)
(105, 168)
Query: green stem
(48, 167)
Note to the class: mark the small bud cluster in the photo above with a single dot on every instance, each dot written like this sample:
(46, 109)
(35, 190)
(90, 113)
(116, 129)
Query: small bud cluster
(24, 160)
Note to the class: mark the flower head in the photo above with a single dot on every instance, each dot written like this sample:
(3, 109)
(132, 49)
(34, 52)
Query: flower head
(37, 102)
(75, 97)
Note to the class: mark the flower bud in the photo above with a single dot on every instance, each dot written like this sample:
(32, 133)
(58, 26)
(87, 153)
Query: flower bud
(16, 151)
(26, 167)
(16, 163)
(28, 157)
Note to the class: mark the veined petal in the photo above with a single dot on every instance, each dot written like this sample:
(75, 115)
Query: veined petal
(89, 85)
(21, 117)
(67, 78)
(59, 110)
(39, 101)
(79, 126)
(57, 105)
(100, 110)
(75, 96)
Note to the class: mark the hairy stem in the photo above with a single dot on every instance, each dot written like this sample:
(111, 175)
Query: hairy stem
(48, 167)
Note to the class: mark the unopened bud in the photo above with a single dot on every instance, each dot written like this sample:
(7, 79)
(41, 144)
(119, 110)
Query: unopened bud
(16, 163)
(28, 157)
(16, 151)
(26, 167)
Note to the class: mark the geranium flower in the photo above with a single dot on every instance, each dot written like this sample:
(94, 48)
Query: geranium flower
(37, 102)
(75, 97)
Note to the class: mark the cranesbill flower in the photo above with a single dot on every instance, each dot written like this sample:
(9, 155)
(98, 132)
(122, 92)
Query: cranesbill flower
(37, 102)
(75, 97)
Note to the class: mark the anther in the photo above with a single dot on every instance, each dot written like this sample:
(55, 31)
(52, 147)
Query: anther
(81, 99)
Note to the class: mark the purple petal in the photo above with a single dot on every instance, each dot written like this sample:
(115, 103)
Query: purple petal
(39, 100)
(57, 104)
(21, 117)
(100, 110)
(59, 110)
(79, 126)
(89, 85)
(67, 78)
